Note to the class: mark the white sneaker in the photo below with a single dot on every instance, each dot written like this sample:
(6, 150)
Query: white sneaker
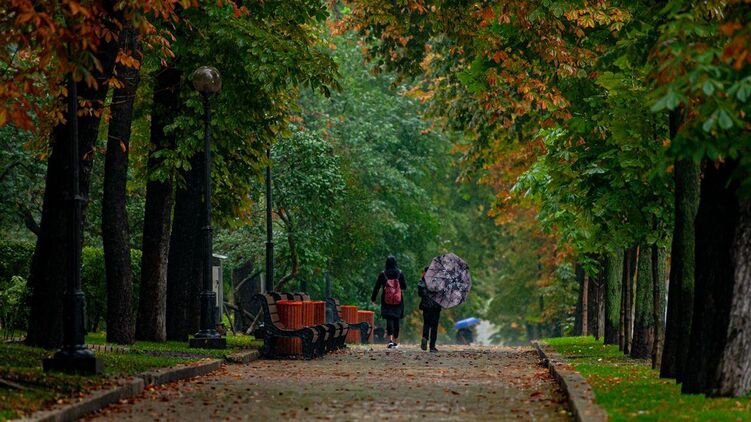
(391, 345)
(396, 346)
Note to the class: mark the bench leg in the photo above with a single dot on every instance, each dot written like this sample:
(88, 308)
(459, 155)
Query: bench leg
(307, 348)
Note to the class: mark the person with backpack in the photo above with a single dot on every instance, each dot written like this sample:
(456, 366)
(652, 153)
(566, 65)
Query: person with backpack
(391, 280)
(431, 313)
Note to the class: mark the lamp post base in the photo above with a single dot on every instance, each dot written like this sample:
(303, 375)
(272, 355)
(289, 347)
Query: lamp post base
(74, 361)
(208, 342)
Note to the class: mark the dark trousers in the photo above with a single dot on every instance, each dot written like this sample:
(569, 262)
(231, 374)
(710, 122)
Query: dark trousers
(430, 324)
(392, 327)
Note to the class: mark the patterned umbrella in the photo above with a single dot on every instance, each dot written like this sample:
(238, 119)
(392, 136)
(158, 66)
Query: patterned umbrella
(447, 280)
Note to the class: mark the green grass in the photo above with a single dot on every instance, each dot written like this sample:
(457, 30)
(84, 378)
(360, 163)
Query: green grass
(629, 389)
(178, 348)
(23, 365)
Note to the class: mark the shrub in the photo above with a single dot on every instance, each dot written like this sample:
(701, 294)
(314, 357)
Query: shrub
(15, 263)
(15, 259)
(94, 284)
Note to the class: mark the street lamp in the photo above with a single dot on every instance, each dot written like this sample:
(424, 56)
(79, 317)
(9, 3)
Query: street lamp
(74, 356)
(207, 82)
(269, 227)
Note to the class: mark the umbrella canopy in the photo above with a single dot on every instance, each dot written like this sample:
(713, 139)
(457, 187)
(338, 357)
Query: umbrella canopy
(468, 322)
(447, 280)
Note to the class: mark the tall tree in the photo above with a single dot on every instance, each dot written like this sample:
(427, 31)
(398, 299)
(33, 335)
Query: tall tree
(644, 324)
(115, 230)
(50, 255)
(681, 288)
(184, 263)
(157, 225)
(704, 63)
(659, 271)
(627, 303)
(718, 358)
(613, 277)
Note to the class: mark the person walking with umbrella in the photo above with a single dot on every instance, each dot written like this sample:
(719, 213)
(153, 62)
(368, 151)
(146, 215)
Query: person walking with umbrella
(431, 313)
(447, 281)
(464, 331)
(391, 280)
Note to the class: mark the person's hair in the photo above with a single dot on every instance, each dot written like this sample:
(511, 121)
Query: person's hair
(390, 263)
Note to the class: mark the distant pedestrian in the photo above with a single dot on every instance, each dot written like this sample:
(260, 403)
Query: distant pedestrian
(391, 280)
(431, 313)
(464, 336)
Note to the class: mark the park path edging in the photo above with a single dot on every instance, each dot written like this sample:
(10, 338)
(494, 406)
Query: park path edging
(135, 386)
(96, 401)
(581, 398)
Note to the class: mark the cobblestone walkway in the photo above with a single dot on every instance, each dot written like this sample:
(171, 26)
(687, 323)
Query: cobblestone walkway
(363, 383)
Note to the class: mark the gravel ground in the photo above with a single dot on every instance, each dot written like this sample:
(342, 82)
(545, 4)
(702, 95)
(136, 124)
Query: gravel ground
(363, 383)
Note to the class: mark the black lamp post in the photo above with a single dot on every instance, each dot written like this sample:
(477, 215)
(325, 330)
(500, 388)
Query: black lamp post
(207, 82)
(74, 357)
(269, 227)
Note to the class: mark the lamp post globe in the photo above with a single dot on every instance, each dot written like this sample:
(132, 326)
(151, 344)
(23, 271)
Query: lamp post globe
(207, 81)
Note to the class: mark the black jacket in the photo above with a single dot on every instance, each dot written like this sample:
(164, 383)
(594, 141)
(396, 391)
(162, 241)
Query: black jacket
(389, 311)
(425, 301)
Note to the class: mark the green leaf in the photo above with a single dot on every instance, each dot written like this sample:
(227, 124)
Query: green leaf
(726, 122)
(710, 122)
(708, 88)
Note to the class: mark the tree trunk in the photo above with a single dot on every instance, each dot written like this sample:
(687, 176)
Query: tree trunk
(629, 262)
(734, 370)
(600, 327)
(578, 311)
(613, 276)
(185, 256)
(641, 345)
(622, 344)
(294, 257)
(157, 222)
(681, 291)
(658, 302)
(592, 307)
(585, 305)
(718, 362)
(50, 264)
(115, 230)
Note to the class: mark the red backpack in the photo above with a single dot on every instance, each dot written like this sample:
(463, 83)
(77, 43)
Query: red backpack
(392, 291)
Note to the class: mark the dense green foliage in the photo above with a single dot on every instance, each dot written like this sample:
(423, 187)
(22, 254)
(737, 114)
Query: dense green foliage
(367, 177)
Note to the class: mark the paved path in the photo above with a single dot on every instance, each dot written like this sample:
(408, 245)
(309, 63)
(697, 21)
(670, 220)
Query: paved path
(364, 383)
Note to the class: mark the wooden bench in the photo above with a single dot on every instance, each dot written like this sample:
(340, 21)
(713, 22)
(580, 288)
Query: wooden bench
(333, 334)
(273, 328)
(364, 327)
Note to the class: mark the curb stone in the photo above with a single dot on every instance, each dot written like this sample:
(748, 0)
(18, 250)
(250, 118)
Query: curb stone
(244, 357)
(581, 398)
(168, 375)
(91, 404)
(133, 387)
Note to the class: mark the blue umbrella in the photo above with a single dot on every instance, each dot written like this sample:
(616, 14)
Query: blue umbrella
(468, 322)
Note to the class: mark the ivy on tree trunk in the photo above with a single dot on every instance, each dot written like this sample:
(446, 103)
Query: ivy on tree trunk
(641, 345)
(613, 277)
(681, 289)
